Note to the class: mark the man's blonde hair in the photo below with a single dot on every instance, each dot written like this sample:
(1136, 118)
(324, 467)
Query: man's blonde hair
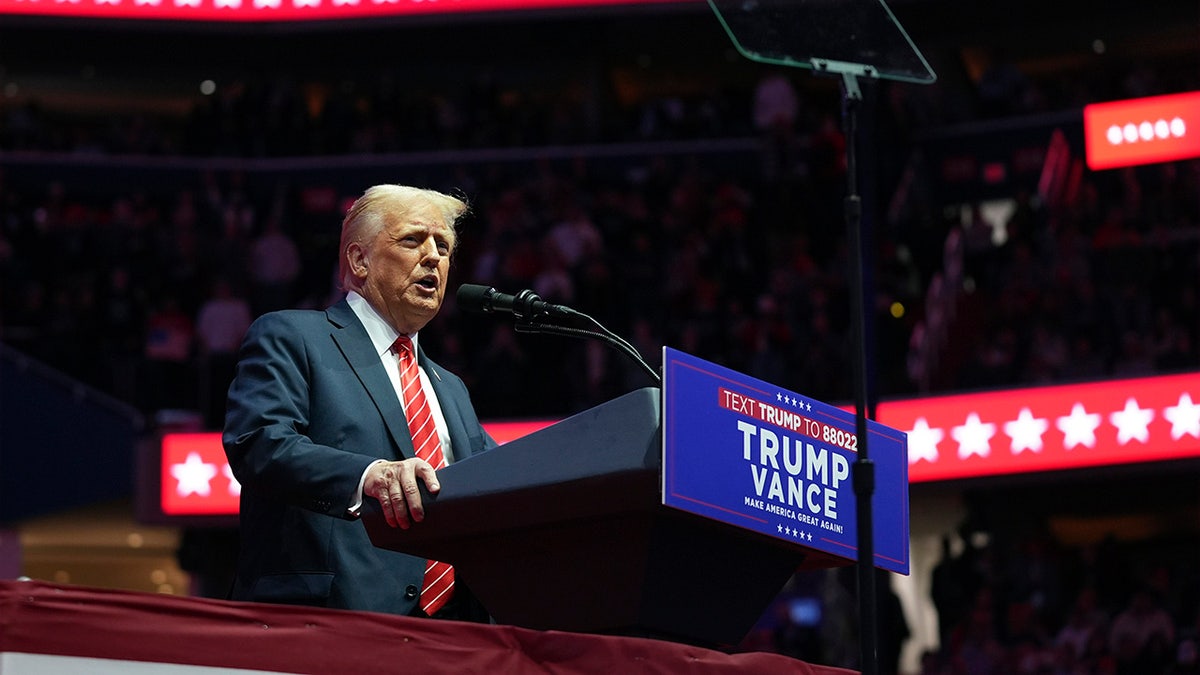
(370, 213)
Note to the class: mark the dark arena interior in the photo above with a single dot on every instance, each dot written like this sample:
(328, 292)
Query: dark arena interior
(163, 181)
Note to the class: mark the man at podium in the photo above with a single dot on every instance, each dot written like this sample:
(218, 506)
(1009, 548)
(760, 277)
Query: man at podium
(332, 408)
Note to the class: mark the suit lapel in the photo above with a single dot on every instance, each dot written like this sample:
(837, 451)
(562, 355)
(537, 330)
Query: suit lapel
(351, 338)
(451, 408)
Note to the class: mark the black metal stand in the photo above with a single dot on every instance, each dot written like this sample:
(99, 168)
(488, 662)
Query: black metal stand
(864, 468)
(863, 39)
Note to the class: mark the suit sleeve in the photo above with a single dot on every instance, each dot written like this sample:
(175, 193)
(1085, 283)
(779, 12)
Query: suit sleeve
(267, 422)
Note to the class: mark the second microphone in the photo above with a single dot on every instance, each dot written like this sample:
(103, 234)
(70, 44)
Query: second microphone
(523, 305)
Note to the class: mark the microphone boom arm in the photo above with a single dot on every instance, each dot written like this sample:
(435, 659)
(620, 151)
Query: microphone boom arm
(530, 324)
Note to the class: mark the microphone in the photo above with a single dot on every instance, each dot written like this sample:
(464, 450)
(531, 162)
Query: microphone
(526, 304)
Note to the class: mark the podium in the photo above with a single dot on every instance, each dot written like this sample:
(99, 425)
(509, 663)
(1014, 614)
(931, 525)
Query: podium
(565, 529)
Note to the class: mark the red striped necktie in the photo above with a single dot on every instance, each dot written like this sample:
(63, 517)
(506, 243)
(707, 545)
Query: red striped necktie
(439, 576)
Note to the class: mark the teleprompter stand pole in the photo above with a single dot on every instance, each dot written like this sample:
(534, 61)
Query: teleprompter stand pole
(868, 42)
(864, 468)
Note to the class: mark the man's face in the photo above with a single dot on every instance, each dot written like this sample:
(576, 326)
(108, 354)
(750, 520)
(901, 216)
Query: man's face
(405, 267)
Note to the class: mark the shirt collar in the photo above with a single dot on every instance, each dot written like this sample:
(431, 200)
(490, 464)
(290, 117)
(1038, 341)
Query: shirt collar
(382, 335)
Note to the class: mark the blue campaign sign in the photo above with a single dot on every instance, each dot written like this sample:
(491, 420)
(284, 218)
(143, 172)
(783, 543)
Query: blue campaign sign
(754, 455)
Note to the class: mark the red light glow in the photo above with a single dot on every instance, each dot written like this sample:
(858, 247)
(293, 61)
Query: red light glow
(280, 10)
(1049, 428)
(196, 479)
(949, 437)
(1142, 130)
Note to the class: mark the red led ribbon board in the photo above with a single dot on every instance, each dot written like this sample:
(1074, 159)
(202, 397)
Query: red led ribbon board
(1049, 428)
(949, 437)
(1142, 130)
(281, 10)
(196, 479)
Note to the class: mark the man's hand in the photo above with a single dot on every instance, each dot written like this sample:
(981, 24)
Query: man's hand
(394, 485)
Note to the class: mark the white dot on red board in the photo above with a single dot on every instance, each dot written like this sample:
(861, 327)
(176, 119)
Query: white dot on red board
(1162, 129)
(1114, 135)
(1178, 128)
(1131, 133)
(1146, 131)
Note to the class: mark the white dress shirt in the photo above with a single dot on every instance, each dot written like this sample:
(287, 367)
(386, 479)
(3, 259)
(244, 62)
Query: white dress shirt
(383, 336)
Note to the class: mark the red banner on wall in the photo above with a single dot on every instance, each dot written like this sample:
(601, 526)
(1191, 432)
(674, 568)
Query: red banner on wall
(281, 10)
(195, 478)
(1049, 428)
(1142, 130)
(949, 437)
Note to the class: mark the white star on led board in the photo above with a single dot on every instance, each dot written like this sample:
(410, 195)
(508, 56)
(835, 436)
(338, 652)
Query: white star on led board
(974, 437)
(193, 475)
(923, 441)
(1184, 417)
(1079, 428)
(1132, 423)
(1026, 431)
(235, 488)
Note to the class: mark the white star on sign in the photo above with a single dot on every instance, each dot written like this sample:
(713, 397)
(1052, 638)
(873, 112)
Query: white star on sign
(193, 476)
(1184, 418)
(1079, 428)
(974, 437)
(235, 488)
(1132, 422)
(1026, 432)
(923, 441)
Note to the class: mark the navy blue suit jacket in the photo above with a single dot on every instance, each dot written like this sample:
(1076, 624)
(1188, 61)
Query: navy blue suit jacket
(310, 408)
